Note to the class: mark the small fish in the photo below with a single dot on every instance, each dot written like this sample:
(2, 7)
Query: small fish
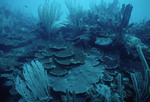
(26, 6)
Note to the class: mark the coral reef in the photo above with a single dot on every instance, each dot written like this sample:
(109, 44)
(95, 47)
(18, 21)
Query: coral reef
(91, 55)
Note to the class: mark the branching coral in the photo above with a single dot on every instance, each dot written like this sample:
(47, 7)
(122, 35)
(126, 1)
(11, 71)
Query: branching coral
(35, 88)
(142, 87)
(49, 13)
(76, 13)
